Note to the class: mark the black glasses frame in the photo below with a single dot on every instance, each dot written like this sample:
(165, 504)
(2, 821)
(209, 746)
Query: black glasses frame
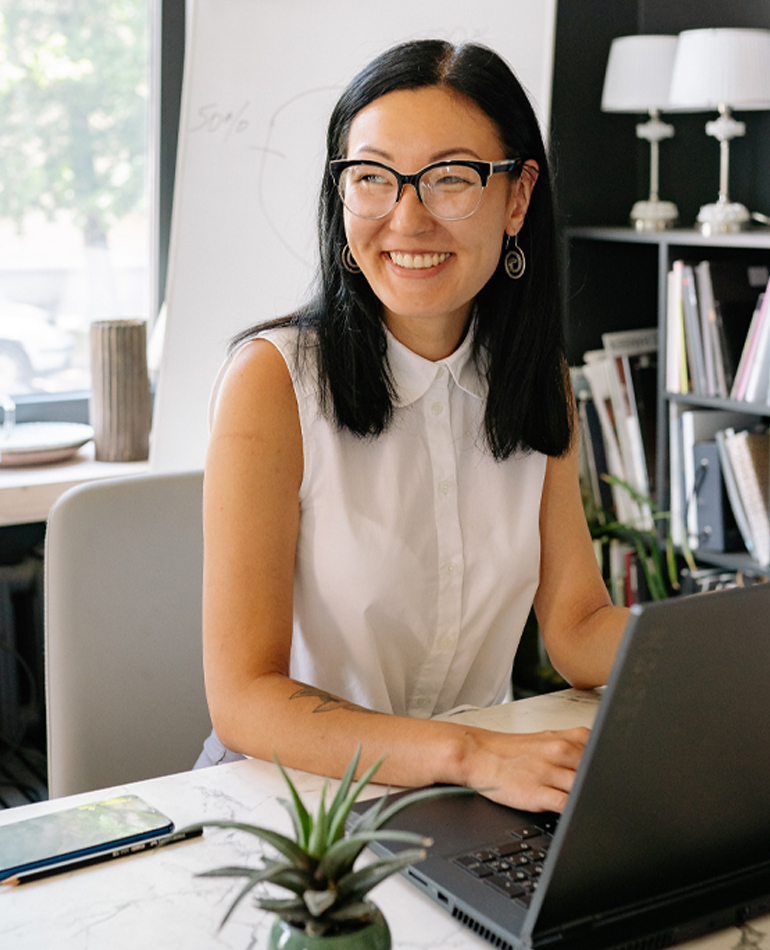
(484, 169)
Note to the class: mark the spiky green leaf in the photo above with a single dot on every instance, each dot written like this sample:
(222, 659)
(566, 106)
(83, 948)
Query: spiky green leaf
(370, 815)
(361, 911)
(303, 822)
(234, 871)
(340, 857)
(254, 875)
(249, 886)
(291, 808)
(319, 836)
(354, 885)
(318, 902)
(293, 911)
(337, 828)
(282, 875)
(347, 781)
(285, 846)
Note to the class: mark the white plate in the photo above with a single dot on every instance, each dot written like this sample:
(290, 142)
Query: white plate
(33, 443)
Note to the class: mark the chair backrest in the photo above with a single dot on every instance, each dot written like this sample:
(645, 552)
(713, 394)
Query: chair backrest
(124, 679)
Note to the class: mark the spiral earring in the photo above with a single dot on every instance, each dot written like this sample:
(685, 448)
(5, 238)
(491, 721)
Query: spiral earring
(515, 263)
(349, 262)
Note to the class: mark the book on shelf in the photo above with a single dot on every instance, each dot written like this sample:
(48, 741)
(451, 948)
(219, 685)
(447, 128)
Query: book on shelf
(753, 373)
(733, 494)
(677, 379)
(696, 360)
(632, 360)
(736, 287)
(741, 374)
(712, 332)
(749, 455)
(593, 457)
(710, 316)
(758, 372)
(688, 427)
(675, 505)
(717, 528)
(596, 371)
(623, 574)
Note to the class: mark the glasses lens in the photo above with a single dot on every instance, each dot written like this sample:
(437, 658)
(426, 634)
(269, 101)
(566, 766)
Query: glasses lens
(368, 191)
(451, 192)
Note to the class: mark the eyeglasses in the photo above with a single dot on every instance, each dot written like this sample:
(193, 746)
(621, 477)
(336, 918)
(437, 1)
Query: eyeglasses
(450, 191)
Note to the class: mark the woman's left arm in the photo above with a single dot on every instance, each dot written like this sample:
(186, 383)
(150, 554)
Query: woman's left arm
(580, 627)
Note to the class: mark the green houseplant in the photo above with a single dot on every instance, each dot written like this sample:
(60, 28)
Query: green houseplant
(328, 907)
(660, 583)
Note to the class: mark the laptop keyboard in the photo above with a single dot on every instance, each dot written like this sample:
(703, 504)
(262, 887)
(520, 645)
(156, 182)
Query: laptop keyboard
(514, 864)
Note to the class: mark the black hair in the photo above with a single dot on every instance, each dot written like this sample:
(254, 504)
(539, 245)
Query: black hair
(518, 336)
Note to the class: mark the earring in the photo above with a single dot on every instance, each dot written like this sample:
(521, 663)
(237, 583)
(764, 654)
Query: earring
(349, 262)
(515, 263)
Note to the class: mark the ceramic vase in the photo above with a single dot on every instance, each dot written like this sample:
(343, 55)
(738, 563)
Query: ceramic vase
(373, 936)
(120, 390)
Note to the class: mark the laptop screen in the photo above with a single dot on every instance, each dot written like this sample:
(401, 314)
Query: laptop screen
(674, 785)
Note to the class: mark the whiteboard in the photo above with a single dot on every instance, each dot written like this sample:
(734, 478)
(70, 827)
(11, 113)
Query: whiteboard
(261, 78)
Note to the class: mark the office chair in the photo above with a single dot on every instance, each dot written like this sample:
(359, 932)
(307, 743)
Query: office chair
(123, 657)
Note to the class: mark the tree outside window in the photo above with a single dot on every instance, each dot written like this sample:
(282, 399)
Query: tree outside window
(74, 240)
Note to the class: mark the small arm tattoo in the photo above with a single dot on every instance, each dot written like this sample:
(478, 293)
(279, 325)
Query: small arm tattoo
(328, 702)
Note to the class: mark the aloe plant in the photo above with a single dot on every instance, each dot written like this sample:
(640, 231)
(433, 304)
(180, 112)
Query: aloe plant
(317, 867)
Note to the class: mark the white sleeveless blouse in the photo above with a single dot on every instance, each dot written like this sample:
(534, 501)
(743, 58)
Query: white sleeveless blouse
(418, 554)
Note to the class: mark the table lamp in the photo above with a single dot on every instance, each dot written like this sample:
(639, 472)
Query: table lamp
(637, 79)
(722, 69)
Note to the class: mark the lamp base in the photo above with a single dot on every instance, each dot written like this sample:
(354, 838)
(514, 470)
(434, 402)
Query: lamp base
(654, 215)
(723, 217)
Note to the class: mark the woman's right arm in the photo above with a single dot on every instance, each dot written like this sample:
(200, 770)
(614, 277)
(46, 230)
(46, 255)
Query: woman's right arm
(251, 523)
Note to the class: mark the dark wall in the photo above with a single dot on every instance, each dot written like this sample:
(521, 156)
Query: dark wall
(601, 167)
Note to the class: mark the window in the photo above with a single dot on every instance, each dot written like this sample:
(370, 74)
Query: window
(83, 225)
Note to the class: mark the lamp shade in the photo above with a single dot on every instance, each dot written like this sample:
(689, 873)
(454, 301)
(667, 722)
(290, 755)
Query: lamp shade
(721, 67)
(638, 73)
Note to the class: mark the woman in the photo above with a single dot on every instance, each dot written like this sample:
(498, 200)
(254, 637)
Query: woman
(392, 479)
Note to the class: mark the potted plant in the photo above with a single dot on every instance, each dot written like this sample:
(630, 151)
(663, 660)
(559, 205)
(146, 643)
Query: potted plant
(328, 908)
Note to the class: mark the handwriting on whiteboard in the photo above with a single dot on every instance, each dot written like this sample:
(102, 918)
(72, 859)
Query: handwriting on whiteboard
(213, 119)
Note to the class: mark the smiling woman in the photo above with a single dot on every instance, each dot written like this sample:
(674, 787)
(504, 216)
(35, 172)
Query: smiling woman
(391, 481)
(453, 227)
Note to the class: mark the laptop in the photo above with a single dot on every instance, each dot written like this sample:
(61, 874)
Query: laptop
(666, 833)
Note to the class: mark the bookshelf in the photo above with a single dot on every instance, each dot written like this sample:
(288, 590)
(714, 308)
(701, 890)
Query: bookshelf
(617, 280)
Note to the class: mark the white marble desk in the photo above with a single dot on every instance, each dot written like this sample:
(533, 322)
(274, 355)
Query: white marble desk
(153, 899)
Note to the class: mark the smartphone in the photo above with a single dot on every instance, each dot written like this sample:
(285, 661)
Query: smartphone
(76, 832)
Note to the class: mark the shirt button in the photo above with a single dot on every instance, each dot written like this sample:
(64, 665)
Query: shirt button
(421, 702)
(445, 643)
(452, 568)
(437, 408)
(445, 487)
(441, 372)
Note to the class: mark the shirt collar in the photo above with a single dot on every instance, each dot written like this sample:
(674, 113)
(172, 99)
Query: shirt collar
(413, 375)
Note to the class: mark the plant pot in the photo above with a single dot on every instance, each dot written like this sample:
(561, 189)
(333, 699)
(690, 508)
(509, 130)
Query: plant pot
(374, 936)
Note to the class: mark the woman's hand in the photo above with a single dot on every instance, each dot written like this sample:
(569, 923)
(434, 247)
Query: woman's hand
(533, 771)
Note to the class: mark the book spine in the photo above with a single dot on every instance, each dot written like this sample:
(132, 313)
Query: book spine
(693, 331)
(707, 319)
(744, 450)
